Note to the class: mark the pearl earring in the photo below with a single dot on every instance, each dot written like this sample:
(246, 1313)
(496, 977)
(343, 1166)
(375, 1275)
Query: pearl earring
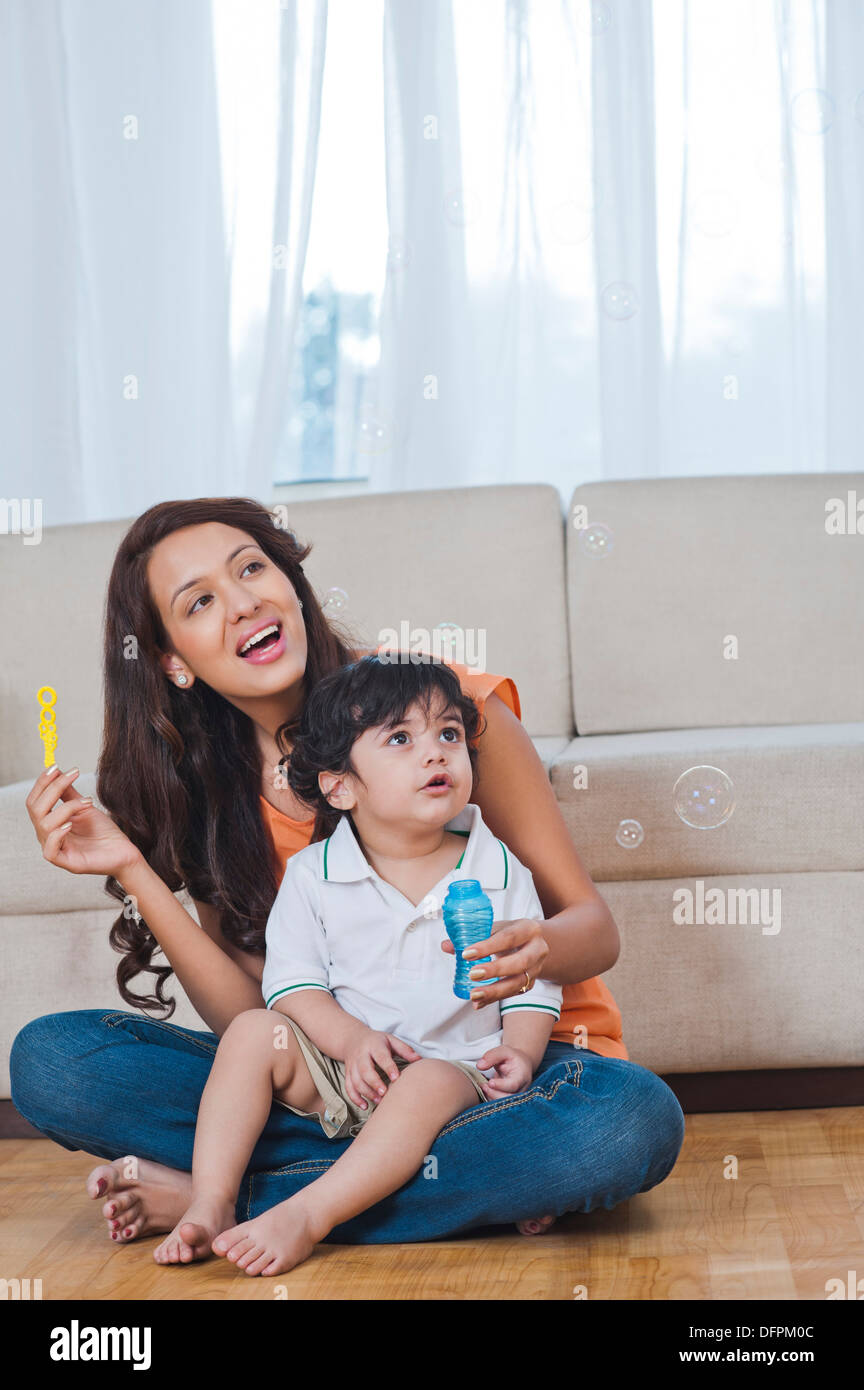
(181, 679)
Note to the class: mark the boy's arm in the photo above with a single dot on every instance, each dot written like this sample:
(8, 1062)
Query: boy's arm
(296, 976)
(529, 1030)
(323, 1021)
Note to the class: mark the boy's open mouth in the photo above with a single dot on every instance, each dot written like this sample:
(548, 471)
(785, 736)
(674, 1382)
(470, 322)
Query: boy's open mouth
(261, 641)
(441, 780)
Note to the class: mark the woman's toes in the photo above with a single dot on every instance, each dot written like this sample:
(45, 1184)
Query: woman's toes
(100, 1180)
(536, 1226)
(122, 1206)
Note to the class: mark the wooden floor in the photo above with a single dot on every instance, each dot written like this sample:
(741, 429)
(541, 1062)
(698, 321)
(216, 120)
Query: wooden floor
(792, 1219)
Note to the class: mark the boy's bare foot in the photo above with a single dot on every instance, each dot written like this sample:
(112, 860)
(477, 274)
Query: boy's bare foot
(141, 1198)
(192, 1236)
(273, 1242)
(538, 1226)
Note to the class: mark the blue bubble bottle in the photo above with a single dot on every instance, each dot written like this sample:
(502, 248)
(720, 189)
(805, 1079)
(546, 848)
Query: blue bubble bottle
(468, 917)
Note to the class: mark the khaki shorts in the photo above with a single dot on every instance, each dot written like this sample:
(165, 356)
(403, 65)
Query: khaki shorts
(342, 1118)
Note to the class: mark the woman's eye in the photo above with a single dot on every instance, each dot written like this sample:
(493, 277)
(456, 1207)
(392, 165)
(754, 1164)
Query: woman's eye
(197, 601)
(250, 564)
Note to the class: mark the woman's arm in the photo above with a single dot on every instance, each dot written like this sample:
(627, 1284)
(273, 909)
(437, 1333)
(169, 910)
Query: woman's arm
(83, 839)
(518, 804)
(218, 986)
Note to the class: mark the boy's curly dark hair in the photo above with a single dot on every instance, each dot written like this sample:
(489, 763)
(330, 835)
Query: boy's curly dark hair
(368, 694)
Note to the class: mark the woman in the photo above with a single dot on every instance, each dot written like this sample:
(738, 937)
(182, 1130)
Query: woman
(213, 639)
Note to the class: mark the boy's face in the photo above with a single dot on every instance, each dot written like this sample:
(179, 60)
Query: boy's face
(397, 763)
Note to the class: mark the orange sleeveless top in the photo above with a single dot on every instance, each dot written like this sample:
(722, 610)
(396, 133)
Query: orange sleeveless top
(588, 1005)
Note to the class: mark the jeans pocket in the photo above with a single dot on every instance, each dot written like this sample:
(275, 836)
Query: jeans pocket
(567, 1073)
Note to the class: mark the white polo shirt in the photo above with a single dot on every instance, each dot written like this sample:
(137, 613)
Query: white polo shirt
(337, 925)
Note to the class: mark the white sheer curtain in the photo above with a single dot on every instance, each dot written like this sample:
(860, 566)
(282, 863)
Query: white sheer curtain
(145, 337)
(658, 208)
(114, 362)
(270, 65)
(623, 241)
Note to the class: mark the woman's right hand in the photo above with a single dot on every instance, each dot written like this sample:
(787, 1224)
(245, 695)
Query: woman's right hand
(74, 834)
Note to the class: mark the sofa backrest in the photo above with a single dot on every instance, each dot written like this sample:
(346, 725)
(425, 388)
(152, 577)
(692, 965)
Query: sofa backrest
(716, 601)
(490, 559)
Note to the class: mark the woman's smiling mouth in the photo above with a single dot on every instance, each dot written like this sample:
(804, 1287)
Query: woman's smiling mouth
(265, 643)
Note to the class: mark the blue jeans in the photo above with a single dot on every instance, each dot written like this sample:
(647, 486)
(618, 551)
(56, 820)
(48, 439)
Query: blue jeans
(589, 1132)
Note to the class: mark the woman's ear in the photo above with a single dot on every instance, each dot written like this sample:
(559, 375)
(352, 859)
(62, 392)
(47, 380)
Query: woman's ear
(175, 671)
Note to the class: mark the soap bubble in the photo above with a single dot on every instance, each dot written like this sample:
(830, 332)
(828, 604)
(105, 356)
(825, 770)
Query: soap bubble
(400, 252)
(596, 540)
(619, 300)
(374, 430)
(461, 207)
(449, 634)
(812, 111)
(335, 600)
(629, 834)
(704, 797)
(595, 17)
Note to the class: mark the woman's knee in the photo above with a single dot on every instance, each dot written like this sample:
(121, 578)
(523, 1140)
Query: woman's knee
(658, 1122)
(42, 1052)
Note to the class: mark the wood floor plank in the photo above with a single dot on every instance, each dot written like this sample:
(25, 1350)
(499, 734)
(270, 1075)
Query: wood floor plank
(791, 1219)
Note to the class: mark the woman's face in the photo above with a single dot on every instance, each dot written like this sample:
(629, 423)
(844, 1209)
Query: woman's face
(215, 588)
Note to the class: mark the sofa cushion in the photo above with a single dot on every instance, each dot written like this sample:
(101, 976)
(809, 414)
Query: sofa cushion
(699, 997)
(799, 800)
(693, 562)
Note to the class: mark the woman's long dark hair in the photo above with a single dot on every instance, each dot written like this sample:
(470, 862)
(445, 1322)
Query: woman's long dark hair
(180, 771)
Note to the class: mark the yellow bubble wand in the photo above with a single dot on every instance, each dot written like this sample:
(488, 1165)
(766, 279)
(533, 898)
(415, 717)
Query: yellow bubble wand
(47, 697)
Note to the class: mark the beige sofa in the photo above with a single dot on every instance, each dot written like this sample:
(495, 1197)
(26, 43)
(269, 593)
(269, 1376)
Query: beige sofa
(720, 624)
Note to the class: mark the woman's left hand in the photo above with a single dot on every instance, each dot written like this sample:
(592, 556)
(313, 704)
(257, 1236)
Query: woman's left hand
(517, 946)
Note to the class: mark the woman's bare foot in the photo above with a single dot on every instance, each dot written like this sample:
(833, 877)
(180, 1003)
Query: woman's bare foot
(192, 1236)
(538, 1226)
(273, 1242)
(141, 1198)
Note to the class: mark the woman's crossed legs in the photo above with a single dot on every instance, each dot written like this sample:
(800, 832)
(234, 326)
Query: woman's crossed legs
(590, 1131)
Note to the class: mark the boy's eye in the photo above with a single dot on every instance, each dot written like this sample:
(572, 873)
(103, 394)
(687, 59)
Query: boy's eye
(450, 729)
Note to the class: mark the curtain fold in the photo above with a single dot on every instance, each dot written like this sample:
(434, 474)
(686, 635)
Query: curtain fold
(114, 362)
(631, 370)
(418, 417)
(302, 46)
(844, 226)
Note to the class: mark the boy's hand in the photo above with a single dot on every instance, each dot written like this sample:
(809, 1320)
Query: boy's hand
(362, 1081)
(514, 1069)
